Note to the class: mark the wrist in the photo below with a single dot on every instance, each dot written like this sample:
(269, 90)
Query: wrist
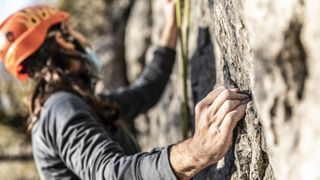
(181, 161)
(198, 155)
(169, 36)
(185, 163)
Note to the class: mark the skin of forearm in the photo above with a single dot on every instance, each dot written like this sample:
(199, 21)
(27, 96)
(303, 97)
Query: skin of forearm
(169, 35)
(185, 164)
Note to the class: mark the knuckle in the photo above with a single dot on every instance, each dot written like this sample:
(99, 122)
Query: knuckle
(229, 104)
(199, 106)
(229, 117)
(227, 93)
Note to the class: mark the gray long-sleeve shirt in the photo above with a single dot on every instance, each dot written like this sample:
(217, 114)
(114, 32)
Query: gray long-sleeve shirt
(69, 143)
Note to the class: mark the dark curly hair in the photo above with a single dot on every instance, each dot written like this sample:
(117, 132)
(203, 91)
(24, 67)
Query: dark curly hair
(49, 67)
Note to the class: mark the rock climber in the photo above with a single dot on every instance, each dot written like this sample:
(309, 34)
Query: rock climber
(79, 135)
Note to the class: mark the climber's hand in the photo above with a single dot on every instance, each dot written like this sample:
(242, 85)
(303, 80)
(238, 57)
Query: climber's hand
(169, 7)
(169, 34)
(216, 116)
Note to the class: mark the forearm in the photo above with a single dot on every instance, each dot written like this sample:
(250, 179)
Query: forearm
(169, 35)
(89, 152)
(185, 164)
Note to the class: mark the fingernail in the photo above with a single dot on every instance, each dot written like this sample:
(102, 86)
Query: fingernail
(247, 93)
(245, 101)
(244, 96)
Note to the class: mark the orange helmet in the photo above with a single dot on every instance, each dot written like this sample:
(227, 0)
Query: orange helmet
(24, 32)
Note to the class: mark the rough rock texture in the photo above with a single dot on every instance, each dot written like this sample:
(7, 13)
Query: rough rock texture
(272, 48)
(247, 157)
(286, 76)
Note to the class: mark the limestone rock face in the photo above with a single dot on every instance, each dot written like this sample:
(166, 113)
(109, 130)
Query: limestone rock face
(271, 48)
(247, 157)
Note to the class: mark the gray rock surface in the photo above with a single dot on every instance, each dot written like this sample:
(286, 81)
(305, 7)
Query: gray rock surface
(247, 157)
(271, 48)
(285, 48)
(138, 37)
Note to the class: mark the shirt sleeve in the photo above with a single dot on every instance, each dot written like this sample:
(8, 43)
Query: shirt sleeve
(87, 149)
(146, 91)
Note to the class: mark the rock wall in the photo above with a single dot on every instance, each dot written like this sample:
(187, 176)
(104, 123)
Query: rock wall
(271, 48)
(247, 157)
(268, 48)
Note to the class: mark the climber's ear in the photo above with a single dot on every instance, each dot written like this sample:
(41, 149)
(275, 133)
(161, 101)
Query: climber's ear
(64, 43)
(78, 36)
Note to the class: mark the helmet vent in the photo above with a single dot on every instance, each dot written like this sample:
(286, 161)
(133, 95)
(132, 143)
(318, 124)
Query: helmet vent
(9, 36)
(34, 20)
(44, 14)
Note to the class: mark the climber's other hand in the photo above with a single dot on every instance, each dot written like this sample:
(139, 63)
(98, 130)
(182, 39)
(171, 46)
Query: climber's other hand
(169, 7)
(169, 34)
